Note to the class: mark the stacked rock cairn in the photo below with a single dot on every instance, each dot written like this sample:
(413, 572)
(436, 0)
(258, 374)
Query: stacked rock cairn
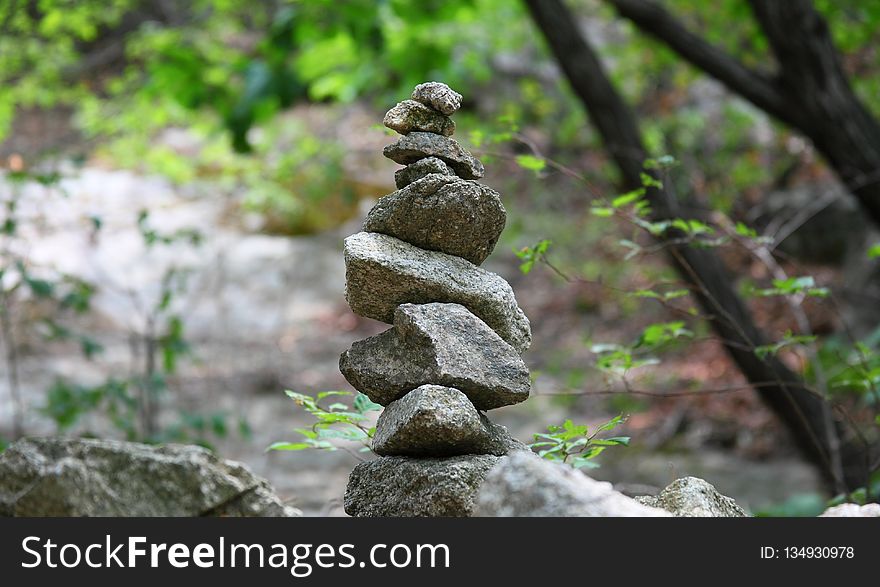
(457, 333)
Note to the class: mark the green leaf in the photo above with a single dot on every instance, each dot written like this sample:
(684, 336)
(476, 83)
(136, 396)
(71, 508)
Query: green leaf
(602, 212)
(363, 404)
(289, 446)
(531, 162)
(874, 251)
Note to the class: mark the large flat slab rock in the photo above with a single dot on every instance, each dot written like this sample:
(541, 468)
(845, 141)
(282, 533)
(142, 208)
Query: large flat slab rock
(441, 344)
(438, 421)
(409, 116)
(438, 96)
(419, 145)
(78, 477)
(524, 485)
(411, 487)
(442, 213)
(383, 272)
(419, 169)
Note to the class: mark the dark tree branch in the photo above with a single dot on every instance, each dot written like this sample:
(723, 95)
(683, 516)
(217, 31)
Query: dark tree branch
(790, 398)
(752, 85)
(810, 91)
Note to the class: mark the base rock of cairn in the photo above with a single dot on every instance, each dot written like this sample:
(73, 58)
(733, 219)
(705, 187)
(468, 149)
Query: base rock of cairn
(457, 331)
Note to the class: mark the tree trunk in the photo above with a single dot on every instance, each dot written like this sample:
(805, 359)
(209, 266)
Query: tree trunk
(805, 414)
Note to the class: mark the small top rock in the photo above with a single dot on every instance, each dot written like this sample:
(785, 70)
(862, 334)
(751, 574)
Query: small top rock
(438, 96)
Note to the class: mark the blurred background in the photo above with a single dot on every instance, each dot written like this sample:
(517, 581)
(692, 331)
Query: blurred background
(177, 179)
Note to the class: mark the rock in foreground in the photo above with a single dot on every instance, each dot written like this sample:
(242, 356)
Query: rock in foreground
(408, 487)
(443, 344)
(438, 421)
(523, 485)
(442, 213)
(382, 272)
(74, 477)
(692, 497)
(852, 510)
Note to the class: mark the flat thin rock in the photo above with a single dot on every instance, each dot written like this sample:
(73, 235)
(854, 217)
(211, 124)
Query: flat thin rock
(419, 169)
(438, 96)
(383, 272)
(524, 485)
(419, 145)
(414, 487)
(692, 497)
(444, 344)
(100, 478)
(409, 116)
(442, 213)
(438, 421)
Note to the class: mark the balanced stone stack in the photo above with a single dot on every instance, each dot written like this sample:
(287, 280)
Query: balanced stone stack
(457, 333)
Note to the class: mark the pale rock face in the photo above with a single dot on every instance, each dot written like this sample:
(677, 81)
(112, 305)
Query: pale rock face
(524, 485)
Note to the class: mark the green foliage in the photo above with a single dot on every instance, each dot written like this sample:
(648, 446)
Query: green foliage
(874, 251)
(335, 423)
(531, 255)
(575, 445)
(805, 285)
(789, 339)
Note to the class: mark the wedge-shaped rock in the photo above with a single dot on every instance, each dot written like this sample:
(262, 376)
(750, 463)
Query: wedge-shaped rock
(442, 213)
(408, 487)
(382, 272)
(419, 169)
(419, 145)
(438, 421)
(409, 116)
(439, 96)
(441, 344)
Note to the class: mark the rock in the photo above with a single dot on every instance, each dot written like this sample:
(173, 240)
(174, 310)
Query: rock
(419, 145)
(691, 497)
(852, 510)
(524, 485)
(441, 344)
(78, 477)
(382, 272)
(410, 115)
(442, 213)
(438, 96)
(437, 421)
(406, 487)
(419, 169)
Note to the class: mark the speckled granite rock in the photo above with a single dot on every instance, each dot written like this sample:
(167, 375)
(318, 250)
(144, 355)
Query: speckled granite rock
(442, 213)
(382, 272)
(692, 497)
(83, 477)
(438, 96)
(409, 116)
(437, 421)
(409, 487)
(419, 169)
(420, 145)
